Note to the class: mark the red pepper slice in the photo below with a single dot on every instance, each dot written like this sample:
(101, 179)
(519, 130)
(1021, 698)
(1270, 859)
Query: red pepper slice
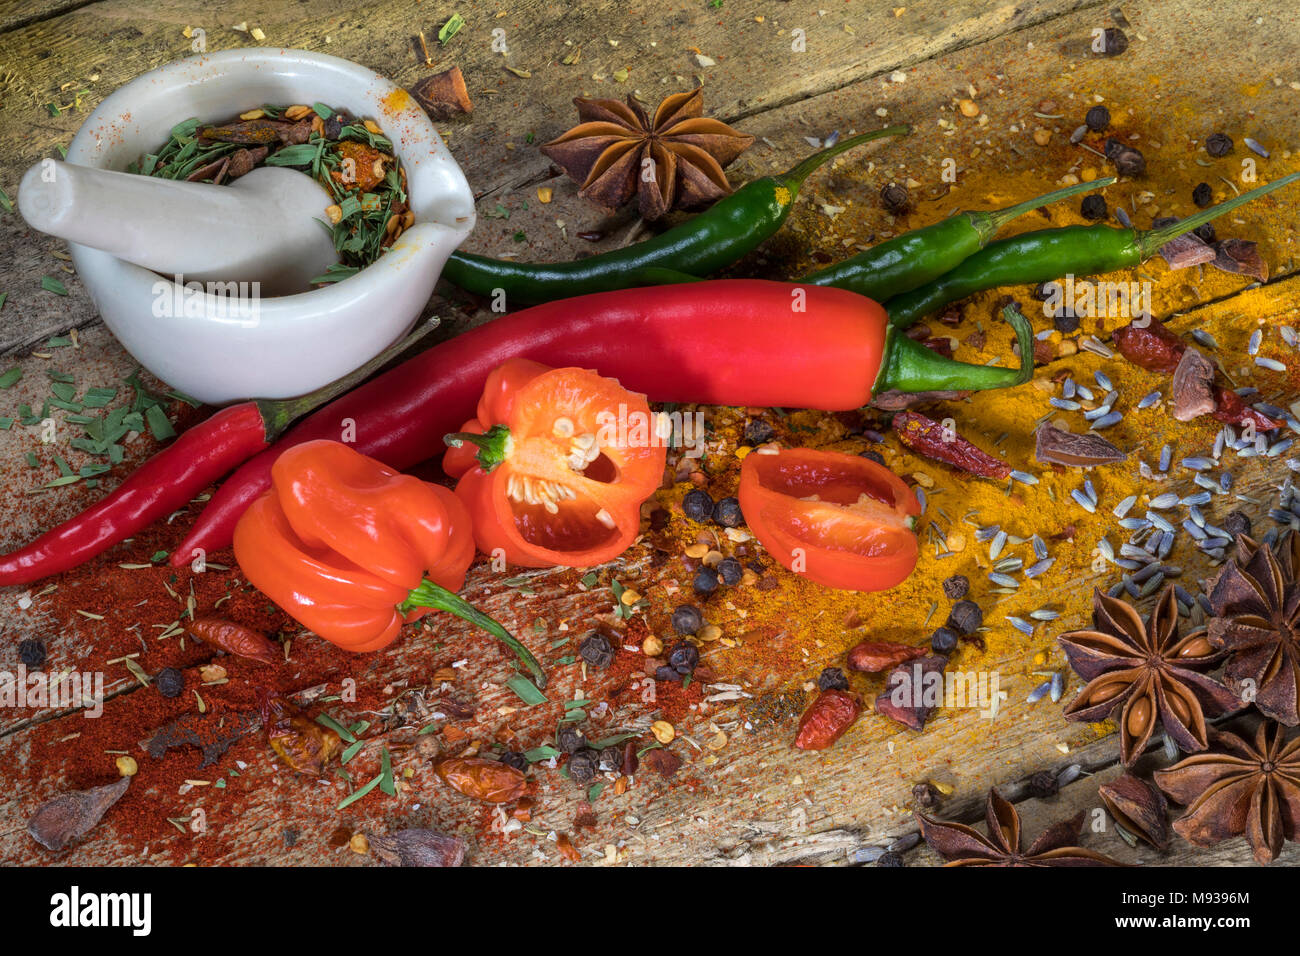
(564, 460)
(840, 520)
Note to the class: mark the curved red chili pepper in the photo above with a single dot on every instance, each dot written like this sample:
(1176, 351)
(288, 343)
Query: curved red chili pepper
(732, 342)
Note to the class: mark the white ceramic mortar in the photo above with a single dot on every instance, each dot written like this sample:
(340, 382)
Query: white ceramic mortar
(289, 345)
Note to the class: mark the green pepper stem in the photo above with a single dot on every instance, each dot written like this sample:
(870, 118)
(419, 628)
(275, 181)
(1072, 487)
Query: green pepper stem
(1149, 241)
(279, 414)
(493, 444)
(911, 367)
(430, 595)
(794, 177)
(987, 224)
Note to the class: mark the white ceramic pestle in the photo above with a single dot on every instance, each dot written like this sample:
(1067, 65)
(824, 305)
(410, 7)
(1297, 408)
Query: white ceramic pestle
(263, 227)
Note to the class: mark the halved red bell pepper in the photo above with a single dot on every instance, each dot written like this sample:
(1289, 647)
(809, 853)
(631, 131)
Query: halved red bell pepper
(353, 549)
(840, 520)
(556, 464)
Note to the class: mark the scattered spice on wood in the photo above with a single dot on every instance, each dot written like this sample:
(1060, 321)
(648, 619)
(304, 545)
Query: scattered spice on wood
(59, 821)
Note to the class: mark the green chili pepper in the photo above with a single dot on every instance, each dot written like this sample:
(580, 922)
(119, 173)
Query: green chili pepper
(905, 262)
(733, 227)
(912, 367)
(1047, 254)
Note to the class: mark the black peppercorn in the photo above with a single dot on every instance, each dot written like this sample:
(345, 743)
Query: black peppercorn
(1218, 144)
(895, 198)
(944, 641)
(170, 682)
(870, 455)
(956, 587)
(1128, 161)
(758, 432)
(513, 758)
(1097, 118)
(611, 758)
(32, 652)
(1045, 290)
(687, 619)
(1206, 233)
(666, 673)
(1202, 195)
(570, 739)
(1065, 322)
(1093, 207)
(706, 581)
(925, 795)
(1238, 522)
(727, 513)
(730, 570)
(683, 658)
(583, 765)
(890, 858)
(832, 678)
(697, 505)
(966, 618)
(1113, 42)
(596, 650)
(1043, 784)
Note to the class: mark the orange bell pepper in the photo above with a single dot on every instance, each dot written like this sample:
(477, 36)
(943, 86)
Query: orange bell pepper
(840, 520)
(353, 550)
(556, 464)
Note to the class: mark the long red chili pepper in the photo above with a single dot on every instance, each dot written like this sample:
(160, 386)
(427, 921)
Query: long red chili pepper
(732, 342)
(173, 476)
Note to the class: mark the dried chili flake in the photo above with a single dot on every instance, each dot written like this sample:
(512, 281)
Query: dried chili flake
(1240, 257)
(234, 639)
(872, 657)
(830, 714)
(305, 745)
(929, 438)
(481, 779)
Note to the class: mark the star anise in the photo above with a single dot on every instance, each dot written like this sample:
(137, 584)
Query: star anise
(1256, 603)
(963, 846)
(673, 159)
(1238, 789)
(1147, 672)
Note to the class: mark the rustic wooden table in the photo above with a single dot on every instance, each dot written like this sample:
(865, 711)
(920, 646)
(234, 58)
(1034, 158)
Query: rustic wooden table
(744, 796)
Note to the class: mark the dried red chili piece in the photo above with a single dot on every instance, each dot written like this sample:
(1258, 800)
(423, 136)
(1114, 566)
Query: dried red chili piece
(481, 779)
(234, 639)
(663, 762)
(927, 437)
(304, 745)
(832, 713)
(1153, 347)
(872, 657)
